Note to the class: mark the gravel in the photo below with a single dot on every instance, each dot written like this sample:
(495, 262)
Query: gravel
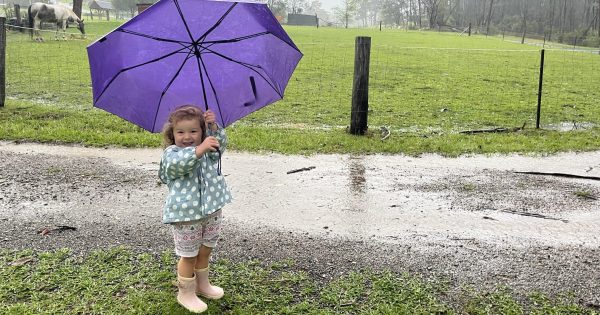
(110, 203)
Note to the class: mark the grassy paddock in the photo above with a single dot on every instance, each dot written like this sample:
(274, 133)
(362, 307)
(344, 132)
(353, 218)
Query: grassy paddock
(425, 88)
(117, 281)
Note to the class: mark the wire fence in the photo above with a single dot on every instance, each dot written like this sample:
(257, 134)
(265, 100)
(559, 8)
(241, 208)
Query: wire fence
(53, 72)
(411, 88)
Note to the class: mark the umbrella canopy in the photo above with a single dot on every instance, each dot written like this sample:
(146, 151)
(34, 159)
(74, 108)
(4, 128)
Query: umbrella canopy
(231, 57)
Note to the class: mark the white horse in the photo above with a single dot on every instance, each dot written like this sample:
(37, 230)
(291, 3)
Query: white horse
(41, 12)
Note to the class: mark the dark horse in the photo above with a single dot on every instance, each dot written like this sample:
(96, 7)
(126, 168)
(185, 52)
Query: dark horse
(41, 12)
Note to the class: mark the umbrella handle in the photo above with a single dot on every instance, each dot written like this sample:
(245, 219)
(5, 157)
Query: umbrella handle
(219, 163)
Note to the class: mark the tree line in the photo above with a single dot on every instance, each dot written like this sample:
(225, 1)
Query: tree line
(567, 21)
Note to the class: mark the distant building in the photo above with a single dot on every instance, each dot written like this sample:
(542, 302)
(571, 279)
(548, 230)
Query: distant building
(100, 7)
(302, 19)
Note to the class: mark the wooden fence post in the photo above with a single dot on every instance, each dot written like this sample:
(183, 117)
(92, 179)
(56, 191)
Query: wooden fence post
(2, 60)
(360, 87)
(539, 103)
(18, 16)
(77, 7)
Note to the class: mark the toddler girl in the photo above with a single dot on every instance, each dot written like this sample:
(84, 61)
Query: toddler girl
(190, 166)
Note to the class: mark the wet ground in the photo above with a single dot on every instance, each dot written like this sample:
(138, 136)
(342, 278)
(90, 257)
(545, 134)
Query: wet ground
(473, 221)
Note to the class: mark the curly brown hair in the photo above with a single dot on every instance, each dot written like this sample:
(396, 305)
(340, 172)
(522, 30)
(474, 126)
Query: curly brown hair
(181, 113)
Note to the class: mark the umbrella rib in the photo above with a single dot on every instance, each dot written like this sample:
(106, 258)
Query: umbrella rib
(212, 87)
(152, 37)
(133, 67)
(187, 28)
(202, 82)
(217, 23)
(249, 66)
(234, 40)
(168, 86)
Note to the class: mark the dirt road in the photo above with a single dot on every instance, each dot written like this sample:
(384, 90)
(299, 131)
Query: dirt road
(471, 220)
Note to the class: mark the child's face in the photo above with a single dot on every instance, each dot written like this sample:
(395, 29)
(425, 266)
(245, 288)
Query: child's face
(187, 133)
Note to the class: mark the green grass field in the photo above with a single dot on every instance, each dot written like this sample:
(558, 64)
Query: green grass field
(118, 281)
(425, 87)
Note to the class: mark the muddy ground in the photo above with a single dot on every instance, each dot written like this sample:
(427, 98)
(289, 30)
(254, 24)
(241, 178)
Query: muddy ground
(473, 221)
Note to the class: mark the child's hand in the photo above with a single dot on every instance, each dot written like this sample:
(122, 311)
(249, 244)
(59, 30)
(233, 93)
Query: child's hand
(209, 144)
(210, 119)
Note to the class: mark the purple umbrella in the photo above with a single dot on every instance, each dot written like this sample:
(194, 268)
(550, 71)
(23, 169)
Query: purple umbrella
(231, 57)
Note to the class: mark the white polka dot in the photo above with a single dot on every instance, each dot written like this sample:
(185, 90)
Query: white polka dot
(184, 206)
(189, 197)
(218, 194)
(208, 198)
(183, 191)
(174, 207)
(214, 203)
(181, 213)
(177, 184)
(212, 189)
(198, 194)
(171, 215)
(198, 217)
(191, 211)
(194, 188)
(181, 163)
(187, 219)
(195, 203)
(214, 180)
(208, 175)
(178, 199)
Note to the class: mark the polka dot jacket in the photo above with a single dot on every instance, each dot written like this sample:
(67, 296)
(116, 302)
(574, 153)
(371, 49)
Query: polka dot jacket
(195, 187)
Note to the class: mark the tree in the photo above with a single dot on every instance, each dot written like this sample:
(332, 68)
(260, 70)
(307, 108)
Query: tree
(392, 11)
(344, 14)
(524, 23)
(297, 6)
(314, 6)
(489, 18)
(278, 7)
(433, 9)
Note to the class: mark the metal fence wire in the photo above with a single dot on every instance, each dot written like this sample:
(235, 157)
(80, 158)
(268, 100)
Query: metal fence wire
(409, 86)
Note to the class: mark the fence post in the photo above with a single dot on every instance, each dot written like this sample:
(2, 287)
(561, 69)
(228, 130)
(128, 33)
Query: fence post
(77, 7)
(539, 102)
(18, 15)
(360, 86)
(469, 29)
(2, 60)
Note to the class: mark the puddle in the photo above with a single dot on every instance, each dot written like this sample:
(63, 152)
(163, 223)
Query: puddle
(570, 126)
(393, 198)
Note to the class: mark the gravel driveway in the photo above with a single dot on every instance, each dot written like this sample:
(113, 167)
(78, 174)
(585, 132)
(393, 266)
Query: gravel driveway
(471, 220)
